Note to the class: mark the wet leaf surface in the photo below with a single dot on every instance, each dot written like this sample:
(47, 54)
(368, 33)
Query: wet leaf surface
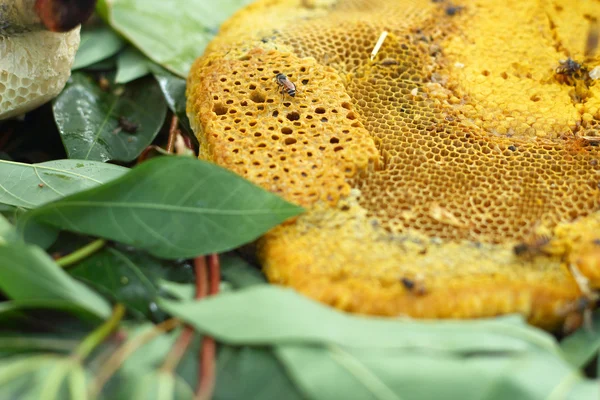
(102, 126)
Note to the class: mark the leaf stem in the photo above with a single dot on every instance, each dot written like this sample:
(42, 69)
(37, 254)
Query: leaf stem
(115, 361)
(80, 254)
(184, 340)
(99, 334)
(173, 131)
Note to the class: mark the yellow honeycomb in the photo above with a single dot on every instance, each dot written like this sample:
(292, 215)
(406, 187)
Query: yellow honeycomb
(469, 135)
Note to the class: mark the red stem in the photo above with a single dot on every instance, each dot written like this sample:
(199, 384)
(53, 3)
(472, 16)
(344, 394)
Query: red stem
(206, 382)
(206, 379)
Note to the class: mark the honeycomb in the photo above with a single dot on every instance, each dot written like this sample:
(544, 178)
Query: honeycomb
(34, 67)
(471, 134)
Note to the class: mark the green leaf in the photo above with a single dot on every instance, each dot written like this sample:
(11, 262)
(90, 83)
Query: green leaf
(131, 65)
(30, 185)
(7, 231)
(89, 119)
(42, 304)
(172, 34)
(266, 315)
(44, 377)
(143, 367)
(580, 347)
(182, 291)
(97, 44)
(172, 207)
(173, 88)
(252, 373)
(28, 273)
(334, 372)
(160, 386)
(12, 343)
(239, 272)
(128, 277)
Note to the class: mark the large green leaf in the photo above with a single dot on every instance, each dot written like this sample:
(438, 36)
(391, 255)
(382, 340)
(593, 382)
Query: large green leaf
(30, 185)
(97, 43)
(28, 273)
(171, 33)
(172, 207)
(89, 119)
(266, 315)
(333, 372)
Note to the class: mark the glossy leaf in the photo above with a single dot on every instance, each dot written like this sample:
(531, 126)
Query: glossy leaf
(267, 315)
(583, 345)
(173, 88)
(90, 120)
(30, 185)
(28, 273)
(97, 44)
(130, 278)
(131, 65)
(172, 34)
(172, 207)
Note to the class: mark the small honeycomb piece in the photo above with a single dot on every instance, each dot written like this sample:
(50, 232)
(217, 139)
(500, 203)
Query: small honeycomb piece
(430, 171)
(34, 67)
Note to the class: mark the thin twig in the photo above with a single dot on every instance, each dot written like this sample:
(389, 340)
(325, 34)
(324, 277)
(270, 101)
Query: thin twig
(113, 364)
(80, 254)
(97, 336)
(173, 132)
(178, 350)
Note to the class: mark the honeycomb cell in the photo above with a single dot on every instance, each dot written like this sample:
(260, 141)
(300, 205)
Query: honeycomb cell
(466, 135)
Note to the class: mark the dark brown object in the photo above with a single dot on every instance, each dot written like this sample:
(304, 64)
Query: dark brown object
(127, 125)
(64, 15)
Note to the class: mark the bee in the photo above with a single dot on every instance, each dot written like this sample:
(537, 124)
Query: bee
(287, 86)
(415, 286)
(568, 67)
(532, 247)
